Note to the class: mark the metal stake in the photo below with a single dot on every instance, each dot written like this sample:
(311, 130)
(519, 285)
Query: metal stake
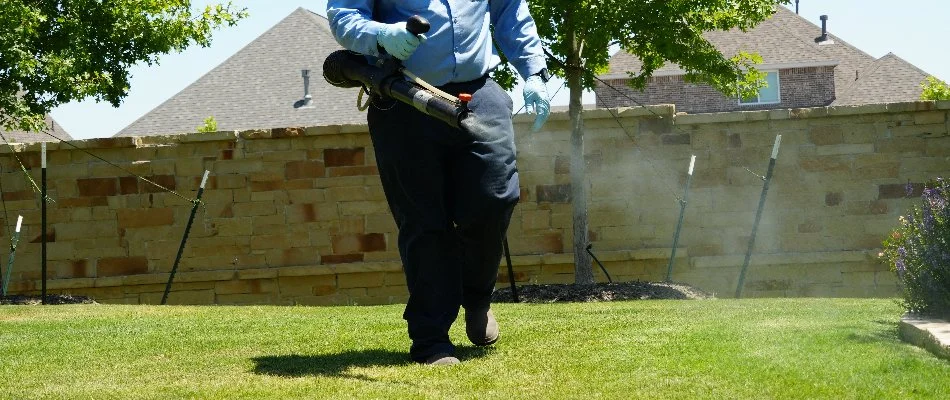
(43, 217)
(181, 248)
(511, 272)
(758, 215)
(679, 224)
(13, 242)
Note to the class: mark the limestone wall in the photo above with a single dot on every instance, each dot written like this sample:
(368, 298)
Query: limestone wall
(297, 215)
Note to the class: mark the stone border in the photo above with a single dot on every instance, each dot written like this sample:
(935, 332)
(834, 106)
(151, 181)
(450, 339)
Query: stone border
(932, 334)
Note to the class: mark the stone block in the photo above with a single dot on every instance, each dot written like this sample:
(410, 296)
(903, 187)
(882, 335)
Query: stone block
(844, 149)
(253, 286)
(358, 243)
(354, 193)
(825, 135)
(137, 218)
(294, 256)
(204, 276)
(237, 166)
(675, 139)
(344, 157)
(306, 195)
(98, 186)
(116, 266)
(262, 208)
(874, 207)
(537, 219)
(364, 170)
(76, 283)
(289, 286)
(348, 225)
(930, 117)
(552, 242)
(301, 213)
(258, 273)
(329, 259)
(307, 169)
(361, 280)
(351, 208)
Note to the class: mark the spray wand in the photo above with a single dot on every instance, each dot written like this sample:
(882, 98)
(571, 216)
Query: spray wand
(388, 78)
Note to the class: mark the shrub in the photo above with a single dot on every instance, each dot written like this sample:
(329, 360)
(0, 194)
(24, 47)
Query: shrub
(210, 126)
(934, 89)
(918, 251)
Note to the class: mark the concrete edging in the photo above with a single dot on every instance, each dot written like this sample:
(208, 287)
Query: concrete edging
(932, 334)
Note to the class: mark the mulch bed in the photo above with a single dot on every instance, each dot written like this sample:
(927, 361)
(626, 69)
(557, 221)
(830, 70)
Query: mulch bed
(549, 293)
(54, 299)
(564, 293)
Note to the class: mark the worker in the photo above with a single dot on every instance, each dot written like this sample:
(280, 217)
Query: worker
(451, 193)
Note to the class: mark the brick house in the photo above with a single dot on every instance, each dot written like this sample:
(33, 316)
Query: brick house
(805, 67)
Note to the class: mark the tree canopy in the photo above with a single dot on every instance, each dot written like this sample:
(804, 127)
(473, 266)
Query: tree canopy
(56, 51)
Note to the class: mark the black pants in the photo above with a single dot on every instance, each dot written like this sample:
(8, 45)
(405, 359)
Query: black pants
(451, 195)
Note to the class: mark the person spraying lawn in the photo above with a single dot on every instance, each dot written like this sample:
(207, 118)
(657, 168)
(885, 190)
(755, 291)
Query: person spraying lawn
(450, 187)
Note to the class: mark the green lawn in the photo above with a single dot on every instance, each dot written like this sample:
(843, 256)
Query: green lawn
(719, 349)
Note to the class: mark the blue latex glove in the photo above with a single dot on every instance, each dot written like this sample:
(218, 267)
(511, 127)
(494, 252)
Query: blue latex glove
(536, 97)
(398, 41)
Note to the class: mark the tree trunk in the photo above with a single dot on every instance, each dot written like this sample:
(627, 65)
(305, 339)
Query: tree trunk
(583, 272)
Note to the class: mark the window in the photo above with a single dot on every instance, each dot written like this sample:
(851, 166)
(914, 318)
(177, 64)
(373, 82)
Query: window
(768, 94)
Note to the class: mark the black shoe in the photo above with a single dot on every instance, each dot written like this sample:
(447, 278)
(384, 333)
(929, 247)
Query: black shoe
(441, 359)
(481, 327)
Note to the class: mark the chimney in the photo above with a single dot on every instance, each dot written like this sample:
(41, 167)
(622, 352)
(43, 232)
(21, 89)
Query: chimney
(823, 39)
(796, 6)
(307, 98)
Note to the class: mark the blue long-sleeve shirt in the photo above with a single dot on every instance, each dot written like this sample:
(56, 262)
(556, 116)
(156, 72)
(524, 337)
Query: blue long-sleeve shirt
(459, 46)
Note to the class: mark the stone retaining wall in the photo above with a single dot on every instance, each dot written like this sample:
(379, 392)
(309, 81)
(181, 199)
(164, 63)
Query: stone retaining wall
(297, 215)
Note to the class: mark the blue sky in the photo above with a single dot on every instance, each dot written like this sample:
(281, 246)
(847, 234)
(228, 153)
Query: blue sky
(915, 30)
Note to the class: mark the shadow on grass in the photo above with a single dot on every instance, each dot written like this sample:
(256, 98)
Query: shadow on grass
(340, 364)
(880, 332)
(331, 365)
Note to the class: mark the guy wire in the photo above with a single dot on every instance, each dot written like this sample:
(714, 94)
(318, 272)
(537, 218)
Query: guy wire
(142, 178)
(29, 178)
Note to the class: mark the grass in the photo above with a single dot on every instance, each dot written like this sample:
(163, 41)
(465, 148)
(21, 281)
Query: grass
(736, 349)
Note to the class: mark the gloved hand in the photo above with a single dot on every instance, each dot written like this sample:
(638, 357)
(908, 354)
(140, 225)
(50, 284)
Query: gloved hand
(398, 41)
(536, 96)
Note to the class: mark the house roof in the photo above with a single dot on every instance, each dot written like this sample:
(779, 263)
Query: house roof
(889, 79)
(788, 40)
(261, 86)
(53, 128)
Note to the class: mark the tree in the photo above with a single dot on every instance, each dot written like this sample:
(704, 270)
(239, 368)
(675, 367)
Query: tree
(581, 32)
(934, 89)
(56, 51)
